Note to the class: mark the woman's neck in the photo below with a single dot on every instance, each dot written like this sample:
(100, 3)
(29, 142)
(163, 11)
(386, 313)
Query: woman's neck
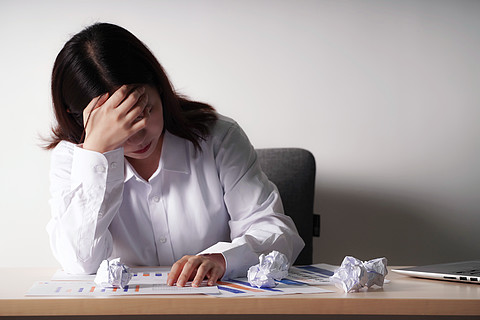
(147, 167)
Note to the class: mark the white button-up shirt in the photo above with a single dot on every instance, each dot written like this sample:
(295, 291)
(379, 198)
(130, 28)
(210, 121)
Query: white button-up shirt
(213, 200)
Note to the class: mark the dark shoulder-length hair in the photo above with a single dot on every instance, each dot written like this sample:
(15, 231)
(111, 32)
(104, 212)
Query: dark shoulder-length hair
(100, 59)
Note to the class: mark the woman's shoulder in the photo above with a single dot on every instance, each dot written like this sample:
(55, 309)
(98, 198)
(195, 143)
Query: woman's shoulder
(222, 125)
(226, 130)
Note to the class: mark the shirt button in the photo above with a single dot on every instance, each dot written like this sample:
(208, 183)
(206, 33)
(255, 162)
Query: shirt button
(156, 198)
(99, 169)
(162, 239)
(113, 165)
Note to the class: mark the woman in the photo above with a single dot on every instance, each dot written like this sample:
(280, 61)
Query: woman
(140, 173)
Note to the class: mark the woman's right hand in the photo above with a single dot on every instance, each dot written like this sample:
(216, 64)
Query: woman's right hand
(110, 121)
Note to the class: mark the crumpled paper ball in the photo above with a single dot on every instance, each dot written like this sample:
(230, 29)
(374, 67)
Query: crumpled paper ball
(273, 266)
(354, 274)
(113, 273)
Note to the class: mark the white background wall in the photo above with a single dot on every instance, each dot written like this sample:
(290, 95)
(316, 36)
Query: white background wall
(384, 93)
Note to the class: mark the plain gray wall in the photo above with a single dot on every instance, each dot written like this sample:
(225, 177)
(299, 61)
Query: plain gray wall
(384, 93)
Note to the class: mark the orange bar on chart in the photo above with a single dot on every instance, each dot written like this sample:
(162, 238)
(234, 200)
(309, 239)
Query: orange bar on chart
(228, 284)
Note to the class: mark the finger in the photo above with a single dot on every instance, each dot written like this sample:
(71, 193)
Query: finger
(131, 99)
(142, 101)
(94, 104)
(188, 269)
(214, 275)
(138, 111)
(202, 271)
(101, 100)
(137, 126)
(90, 106)
(120, 95)
(175, 271)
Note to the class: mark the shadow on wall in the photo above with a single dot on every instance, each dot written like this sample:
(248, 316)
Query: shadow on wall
(370, 225)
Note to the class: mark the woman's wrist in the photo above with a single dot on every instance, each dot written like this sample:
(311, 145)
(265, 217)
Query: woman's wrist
(88, 145)
(217, 258)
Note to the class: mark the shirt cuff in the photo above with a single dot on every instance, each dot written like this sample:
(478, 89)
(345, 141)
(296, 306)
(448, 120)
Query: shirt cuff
(91, 167)
(238, 258)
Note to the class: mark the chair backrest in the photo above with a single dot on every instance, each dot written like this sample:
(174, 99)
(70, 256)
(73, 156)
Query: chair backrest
(292, 170)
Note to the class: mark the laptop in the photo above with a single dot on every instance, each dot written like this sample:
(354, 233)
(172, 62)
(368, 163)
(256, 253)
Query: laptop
(465, 271)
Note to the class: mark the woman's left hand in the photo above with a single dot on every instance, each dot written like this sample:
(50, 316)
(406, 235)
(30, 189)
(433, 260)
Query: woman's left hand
(196, 268)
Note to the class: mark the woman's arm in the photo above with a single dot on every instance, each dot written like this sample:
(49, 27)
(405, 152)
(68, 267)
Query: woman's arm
(258, 223)
(87, 181)
(86, 191)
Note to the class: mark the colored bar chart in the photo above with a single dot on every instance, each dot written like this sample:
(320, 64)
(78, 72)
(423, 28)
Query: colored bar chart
(241, 288)
(144, 281)
(77, 288)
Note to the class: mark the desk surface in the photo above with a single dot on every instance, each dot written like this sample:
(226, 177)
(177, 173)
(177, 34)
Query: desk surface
(402, 296)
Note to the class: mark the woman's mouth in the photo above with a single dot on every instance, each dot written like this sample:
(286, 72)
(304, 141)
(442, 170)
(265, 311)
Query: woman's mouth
(143, 150)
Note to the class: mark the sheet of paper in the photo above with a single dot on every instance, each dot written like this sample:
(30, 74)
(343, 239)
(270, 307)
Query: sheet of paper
(89, 288)
(316, 274)
(139, 275)
(144, 281)
(241, 288)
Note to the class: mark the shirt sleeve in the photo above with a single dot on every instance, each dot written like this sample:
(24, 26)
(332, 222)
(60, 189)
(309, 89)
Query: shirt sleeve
(86, 192)
(257, 221)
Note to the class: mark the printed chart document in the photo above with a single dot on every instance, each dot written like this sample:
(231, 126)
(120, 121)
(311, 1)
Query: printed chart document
(139, 275)
(241, 288)
(81, 288)
(300, 279)
(144, 281)
(315, 274)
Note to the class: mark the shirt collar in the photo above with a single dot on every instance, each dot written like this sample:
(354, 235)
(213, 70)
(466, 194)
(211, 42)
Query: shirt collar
(129, 171)
(175, 154)
(174, 157)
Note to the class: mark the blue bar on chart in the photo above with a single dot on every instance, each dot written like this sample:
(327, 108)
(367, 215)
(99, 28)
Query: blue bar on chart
(229, 289)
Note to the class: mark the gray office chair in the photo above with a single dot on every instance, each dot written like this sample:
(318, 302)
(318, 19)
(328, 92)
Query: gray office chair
(292, 170)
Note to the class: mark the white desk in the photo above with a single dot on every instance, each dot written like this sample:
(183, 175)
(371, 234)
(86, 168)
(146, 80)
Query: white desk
(402, 297)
